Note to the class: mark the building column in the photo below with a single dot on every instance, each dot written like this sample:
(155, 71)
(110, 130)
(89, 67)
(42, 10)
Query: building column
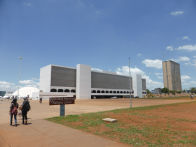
(137, 85)
(83, 82)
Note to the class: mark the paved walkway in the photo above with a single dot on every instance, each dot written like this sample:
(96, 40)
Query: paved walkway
(42, 133)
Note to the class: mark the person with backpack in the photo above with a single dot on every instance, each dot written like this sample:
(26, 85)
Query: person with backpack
(13, 111)
(25, 108)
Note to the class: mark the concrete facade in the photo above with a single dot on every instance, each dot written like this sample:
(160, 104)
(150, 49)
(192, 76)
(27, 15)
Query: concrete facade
(137, 85)
(45, 78)
(171, 75)
(84, 83)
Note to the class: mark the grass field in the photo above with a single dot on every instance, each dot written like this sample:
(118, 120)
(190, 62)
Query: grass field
(162, 125)
(168, 97)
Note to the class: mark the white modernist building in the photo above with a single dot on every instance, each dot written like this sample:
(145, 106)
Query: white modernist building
(85, 83)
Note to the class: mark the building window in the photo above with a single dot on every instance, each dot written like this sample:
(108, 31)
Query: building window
(121, 92)
(67, 90)
(117, 91)
(53, 90)
(114, 91)
(124, 91)
(102, 91)
(98, 91)
(60, 90)
(128, 92)
(110, 91)
(73, 91)
(107, 91)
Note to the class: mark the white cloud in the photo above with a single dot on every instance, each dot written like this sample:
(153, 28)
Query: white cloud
(193, 83)
(187, 48)
(185, 78)
(25, 82)
(182, 59)
(97, 69)
(28, 4)
(169, 48)
(188, 63)
(7, 86)
(124, 70)
(30, 83)
(185, 38)
(194, 56)
(193, 63)
(153, 63)
(159, 75)
(151, 84)
(176, 13)
(187, 82)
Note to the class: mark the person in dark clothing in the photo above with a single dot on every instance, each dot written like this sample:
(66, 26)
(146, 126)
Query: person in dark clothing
(13, 111)
(40, 100)
(25, 108)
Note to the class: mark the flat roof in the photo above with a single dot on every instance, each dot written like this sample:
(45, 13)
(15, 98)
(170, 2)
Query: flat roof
(171, 61)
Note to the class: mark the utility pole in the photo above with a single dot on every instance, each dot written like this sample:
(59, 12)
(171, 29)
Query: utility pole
(19, 73)
(130, 84)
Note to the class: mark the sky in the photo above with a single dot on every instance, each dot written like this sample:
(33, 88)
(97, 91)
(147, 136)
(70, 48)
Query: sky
(99, 33)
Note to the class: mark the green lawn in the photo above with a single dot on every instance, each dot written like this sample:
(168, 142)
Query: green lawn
(168, 97)
(163, 125)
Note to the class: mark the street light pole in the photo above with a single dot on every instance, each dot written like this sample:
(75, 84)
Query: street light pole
(130, 84)
(19, 72)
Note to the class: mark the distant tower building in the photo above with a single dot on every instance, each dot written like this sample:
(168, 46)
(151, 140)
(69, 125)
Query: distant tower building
(171, 75)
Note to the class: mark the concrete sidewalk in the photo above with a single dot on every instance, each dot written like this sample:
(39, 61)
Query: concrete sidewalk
(42, 133)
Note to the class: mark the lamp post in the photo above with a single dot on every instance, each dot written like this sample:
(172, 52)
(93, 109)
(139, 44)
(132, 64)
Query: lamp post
(19, 73)
(130, 84)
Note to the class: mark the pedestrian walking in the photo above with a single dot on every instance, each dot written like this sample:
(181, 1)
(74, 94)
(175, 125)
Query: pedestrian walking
(40, 100)
(25, 108)
(13, 111)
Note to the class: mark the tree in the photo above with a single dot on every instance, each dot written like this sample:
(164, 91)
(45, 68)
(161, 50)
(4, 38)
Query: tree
(148, 91)
(193, 90)
(173, 92)
(165, 90)
(179, 92)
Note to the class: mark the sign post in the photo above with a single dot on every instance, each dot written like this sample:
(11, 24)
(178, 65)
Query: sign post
(61, 101)
(62, 110)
